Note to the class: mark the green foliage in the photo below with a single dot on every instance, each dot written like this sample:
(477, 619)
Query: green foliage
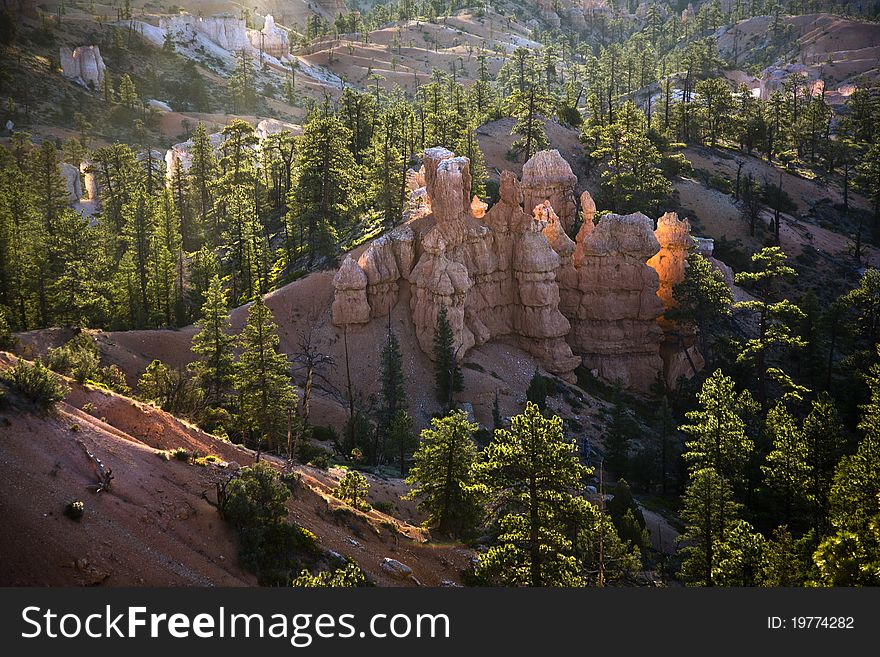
(78, 358)
(7, 340)
(392, 384)
(787, 471)
(626, 515)
(213, 343)
(530, 475)
(349, 576)
(256, 497)
(75, 510)
(539, 387)
(709, 512)
(170, 389)
(36, 382)
(447, 372)
(324, 195)
(631, 177)
(353, 489)
(402, 438)
(785, 560)
(716, 432)
(182, 454)
(774, 318)
(702, 299)
(262, 381)
(441, 477)
(620, 432)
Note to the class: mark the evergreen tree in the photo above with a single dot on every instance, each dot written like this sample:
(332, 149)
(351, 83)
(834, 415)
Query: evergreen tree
(709, 511)
(201, 174)
(531, 475)
(262, 381)
(354, 488)
(402, 438)
(715, 108)
(739, 556)
(242, 87)
(622, 429)
(127, 93)
(868, 179)
(787, 471)
(631, 179)
(392, 385)
(716, 432)
(324, 194)
(448, 378)
(783, 562)
(774, 320)
(441, 477)
(529, 107)
(215, 346)
(77, 292)
(702, 299)
(823, 435)
(851, 555)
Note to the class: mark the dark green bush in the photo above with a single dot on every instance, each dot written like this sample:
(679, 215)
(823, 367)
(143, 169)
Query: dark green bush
(36, 382)
(325, 434)
(182, 454)
(348, 576)
(385, 506)
(7, 340)
(75, 510)
(78, 358)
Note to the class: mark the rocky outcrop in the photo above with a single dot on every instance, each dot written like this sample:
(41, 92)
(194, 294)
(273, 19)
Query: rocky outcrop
(72, 181)
(227, 31)
(674, 237)
(350, 301)
(610, 298)
(548, 177)
(84, 65)
(588, 214)
(495, 274)
(681, 358)
(272, 40)
(513, 272)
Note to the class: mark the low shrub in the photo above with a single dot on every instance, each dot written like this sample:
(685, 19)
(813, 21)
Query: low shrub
(385, 506)
(36, 382)
(182, 454)
(78, 358)
(348, 576)
(75, 510)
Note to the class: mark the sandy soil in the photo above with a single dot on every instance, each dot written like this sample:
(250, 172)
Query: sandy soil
(496, 141)
(840, 49)
(720, 217)
(405, 55)
(155, 525)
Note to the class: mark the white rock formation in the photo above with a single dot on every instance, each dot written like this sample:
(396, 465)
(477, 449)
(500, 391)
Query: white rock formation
(272, 40)
(225, 30)
(84, 65)
(72, 182)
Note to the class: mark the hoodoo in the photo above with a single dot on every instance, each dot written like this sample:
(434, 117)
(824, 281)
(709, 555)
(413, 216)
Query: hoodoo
(514, 272)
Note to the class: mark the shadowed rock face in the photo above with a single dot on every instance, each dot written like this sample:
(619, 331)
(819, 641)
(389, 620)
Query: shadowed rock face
(514, 272)
(611, 299)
